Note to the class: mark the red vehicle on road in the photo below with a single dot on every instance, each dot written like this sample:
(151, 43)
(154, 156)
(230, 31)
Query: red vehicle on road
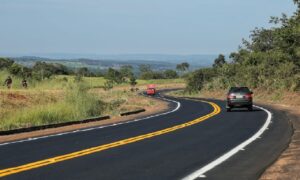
(151, 90)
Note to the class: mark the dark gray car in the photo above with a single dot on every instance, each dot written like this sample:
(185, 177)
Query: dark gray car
(239, 97)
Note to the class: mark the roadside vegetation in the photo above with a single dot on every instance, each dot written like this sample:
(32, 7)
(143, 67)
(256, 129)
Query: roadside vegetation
(268, 63)
(69, 101)
(56, 93)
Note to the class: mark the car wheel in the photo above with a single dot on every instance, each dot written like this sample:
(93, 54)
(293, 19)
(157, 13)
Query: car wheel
(228, 109)
(250, 108)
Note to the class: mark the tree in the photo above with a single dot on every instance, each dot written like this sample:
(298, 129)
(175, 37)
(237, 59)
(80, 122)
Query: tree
(147, 73)
(170, 74)
(26, 72)
(114, 76)
(84, 71)
(5, 63)
(195, 81)
(297, 2)
(126, 71)
(41, 70)
(183, 67)
(15, 69)
(133, 81)
(59, 69)
(220, 61)
(238, 57)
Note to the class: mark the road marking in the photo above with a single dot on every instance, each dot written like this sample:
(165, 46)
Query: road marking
(178, 105)
(220, 160)
(37, 164)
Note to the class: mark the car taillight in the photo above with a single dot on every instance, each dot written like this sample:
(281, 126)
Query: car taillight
(248, 96)
(231, 96)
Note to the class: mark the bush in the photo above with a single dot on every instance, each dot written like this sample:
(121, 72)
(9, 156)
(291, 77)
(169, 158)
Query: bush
(170, 74)
(78, 78)
(108, 85)
(195, 81)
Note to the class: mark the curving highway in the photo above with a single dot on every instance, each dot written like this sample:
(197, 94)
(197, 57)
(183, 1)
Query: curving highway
(193, 139)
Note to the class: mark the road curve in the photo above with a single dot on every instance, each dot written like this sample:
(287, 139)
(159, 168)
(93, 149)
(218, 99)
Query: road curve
(168, 146)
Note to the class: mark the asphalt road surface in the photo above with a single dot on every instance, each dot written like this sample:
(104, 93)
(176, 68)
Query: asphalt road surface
(191, 136)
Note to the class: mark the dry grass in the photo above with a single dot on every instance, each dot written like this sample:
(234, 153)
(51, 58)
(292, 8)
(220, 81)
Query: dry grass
(39, 105)
(124, 99)
(15, 100)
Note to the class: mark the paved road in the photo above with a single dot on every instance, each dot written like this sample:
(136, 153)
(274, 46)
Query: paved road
(200, 133)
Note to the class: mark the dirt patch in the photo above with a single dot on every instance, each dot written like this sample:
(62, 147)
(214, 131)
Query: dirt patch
(16, 96)
(160, 106)
(15, 99)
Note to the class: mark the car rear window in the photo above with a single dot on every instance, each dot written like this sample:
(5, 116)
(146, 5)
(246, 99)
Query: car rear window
(239, 90)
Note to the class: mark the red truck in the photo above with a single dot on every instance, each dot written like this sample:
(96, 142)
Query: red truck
(151, 90)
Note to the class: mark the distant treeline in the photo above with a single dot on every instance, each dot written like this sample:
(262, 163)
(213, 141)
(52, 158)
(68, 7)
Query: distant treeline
(39, 71)
(42, 70)
(270, 60)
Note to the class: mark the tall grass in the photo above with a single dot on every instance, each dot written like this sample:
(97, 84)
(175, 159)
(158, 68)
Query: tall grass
(77, 104)
(16, 80)
(62, 99)
(62, 81)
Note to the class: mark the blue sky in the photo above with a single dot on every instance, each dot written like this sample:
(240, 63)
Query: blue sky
(132, 26)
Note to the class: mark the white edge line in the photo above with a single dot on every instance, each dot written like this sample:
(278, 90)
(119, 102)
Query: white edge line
(218, 161)
(99, 127)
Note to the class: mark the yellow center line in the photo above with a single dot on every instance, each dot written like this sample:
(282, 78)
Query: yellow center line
(45, 162)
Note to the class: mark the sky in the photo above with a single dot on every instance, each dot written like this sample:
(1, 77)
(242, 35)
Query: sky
(30, 27)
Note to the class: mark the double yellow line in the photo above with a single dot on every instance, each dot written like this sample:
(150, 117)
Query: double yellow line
(53, 160)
